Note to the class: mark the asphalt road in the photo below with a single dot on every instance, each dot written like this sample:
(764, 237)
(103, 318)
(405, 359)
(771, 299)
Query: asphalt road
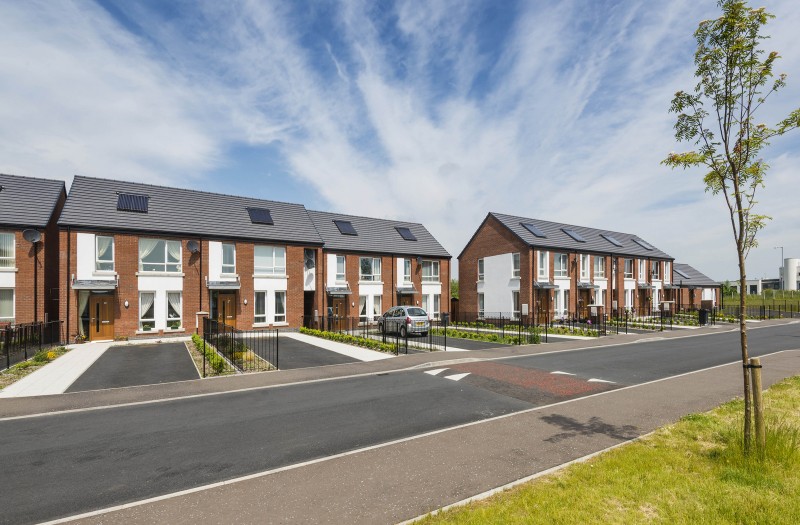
(63, 464)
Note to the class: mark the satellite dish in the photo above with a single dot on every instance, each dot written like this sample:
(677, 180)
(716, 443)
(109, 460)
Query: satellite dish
(193, 246)
(33, 236)
(309, 259)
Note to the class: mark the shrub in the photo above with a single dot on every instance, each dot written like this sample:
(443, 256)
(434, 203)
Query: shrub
(214, 360)
(363, 342)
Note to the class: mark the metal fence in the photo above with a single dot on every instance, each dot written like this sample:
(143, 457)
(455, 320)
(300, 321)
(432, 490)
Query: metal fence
(227, 349)
(21, 342)
(774, 311)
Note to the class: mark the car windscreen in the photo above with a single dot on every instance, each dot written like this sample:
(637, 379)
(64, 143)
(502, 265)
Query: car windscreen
(417, 312)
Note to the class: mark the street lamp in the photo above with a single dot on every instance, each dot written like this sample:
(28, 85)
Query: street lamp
(782, 269)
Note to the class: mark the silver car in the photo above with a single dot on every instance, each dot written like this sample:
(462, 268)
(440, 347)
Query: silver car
(405, 320)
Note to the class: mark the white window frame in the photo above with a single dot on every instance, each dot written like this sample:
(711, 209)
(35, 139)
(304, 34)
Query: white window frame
(168, 266)
(560, 265)
(407, 271)
(363, 316)
(228, 268)
(481, 269)
(375, 269)
(280, 318)
(9, 261)
(543, 265)
(642, 270)
(667, 272)
(515, 265)
(599, 267)
(142, 319)
(97, 260)
(377, 306)
(13, 305)
(425, 305)
(515, 302)
(341, 277)
(437, 305)
(626, 273)
(259, 318)
(585, 265)
(272, 253)
(655, 269)
(481, 304)
(180, 312)
(434, 275)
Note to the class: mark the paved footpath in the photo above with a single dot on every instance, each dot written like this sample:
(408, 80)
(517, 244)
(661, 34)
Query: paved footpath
(400, 480)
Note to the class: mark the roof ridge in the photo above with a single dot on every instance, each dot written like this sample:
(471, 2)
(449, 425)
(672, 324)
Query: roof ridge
(364, 217)
(565, 225)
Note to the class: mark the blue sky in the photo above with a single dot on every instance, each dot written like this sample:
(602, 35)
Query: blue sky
(434, 111)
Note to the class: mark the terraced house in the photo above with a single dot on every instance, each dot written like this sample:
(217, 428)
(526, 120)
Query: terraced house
(522, 266)
(144, 260)
(371, 264)
(29, 248)
(693, 289)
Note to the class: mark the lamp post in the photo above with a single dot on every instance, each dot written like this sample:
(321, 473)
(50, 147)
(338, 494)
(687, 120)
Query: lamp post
(782, 269)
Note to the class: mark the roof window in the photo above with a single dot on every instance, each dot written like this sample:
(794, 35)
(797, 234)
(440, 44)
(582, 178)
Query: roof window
(611, 239)
(405, 233)
(533, 229)
(260, 216)
(643, 244)
(132, 202)
(572, 233)
(345, 227)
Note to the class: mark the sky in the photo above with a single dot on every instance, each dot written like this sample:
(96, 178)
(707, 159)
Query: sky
(432, 111)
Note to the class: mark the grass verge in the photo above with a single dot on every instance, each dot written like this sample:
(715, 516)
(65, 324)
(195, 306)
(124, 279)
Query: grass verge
(691, 472)
(20, 370)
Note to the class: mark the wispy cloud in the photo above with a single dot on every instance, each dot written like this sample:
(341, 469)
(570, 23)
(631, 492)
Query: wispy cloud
(436, 111)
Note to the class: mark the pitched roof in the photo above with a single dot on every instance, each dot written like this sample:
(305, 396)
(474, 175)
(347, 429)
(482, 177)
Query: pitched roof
(93, 203)
(694, 279)
(556, 237)
(376, 236)
(28, 202)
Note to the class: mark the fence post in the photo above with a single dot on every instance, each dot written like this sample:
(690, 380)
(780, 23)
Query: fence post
(7, 345)
(277, 349)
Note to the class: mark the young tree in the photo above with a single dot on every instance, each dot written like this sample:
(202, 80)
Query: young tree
(734, 80)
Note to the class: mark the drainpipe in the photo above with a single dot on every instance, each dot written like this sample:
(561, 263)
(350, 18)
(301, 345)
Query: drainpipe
(69, 269)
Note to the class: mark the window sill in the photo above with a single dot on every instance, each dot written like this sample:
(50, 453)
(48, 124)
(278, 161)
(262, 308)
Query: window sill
(9, 270)
(229, 276)
(160, 274)
(371, 282)
(104, 273)
(174, 331)
(517, 277)
(432, 282)
(267, 325)
(269, 276)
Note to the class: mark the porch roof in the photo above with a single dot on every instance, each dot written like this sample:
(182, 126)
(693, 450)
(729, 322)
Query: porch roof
(338, 290)
(406, 290)
(223, 285)
(94, 284)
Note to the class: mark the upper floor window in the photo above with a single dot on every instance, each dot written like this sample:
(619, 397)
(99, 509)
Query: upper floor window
(159, 255)
(406, 271)
(269, 260)
(430, 271)
(228, 258)
(599, 266)
(369, 270)
(7, 303)
(515, 265)
(655, 267)
(340, 269)
(480, 305)
(667, 272)
(7, 250)
(628, 269)
(584, 266)
(543, 268)
(104, 254)
(560, 268)
(480, 269)
(642, 270)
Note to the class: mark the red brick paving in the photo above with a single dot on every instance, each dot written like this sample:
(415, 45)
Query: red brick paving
(531, 378)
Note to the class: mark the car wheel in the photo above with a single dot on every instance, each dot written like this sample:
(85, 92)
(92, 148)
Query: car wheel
(403, 332)
(424, 334)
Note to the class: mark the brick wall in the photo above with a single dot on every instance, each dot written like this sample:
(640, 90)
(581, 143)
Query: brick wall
(30, 261)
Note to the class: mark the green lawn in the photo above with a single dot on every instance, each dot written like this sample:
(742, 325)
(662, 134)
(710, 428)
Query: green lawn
(690, 472)
(771, 298)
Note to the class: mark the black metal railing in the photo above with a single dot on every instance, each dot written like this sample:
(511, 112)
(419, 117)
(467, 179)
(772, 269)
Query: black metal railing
(238, 350)
(21, 342)
(764, 311)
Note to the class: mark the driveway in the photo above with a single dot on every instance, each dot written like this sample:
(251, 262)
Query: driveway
(298, 354)
(134, 365)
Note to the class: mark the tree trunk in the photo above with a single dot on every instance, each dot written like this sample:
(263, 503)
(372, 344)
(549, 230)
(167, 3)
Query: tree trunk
(745, 357)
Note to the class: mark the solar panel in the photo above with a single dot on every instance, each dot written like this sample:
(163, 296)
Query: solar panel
(572, 233)
(611, 239)
(533, 229)
(643, 244)
(681, 273)
(132, 202)
(405, 233)
(345, 227)
(260, 216)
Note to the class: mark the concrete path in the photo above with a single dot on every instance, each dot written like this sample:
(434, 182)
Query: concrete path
(361, 354)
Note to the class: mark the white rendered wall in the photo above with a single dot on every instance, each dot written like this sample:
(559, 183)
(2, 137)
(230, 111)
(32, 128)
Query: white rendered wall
(309, 274)
(159, 284)
(791, 269)
(497, 285)
(330, 270)
(269, 285)
(8, 277)
(399, 273)
(86, 259)
(215, 263)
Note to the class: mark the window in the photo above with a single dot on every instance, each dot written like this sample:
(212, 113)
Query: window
(642, 271)
(682, 274)
(515, 265)
(667, 272)
(405, 233)
(280, 307)
(370, 270)
(7, 304)
(158, 255)
(599, 266)
(437, 299)
(611, 239)
(560, 268)
(260, 310)
(260, 216)
(515, 304)
(480, 269)
(543, 270)
(430, 271)
(147, 311)
(104, 254)
(270, 260)
(480, 305)
(340, 269)
(377, 306)
(534, 230)
(174, 310)
(655, 266)
(628, 269)
(643, 244)
(585, 266)
(345, 227)
(425, 304)
(362, 308)
(572, 233)
(406, 271)
(228, 258)
(7, 250)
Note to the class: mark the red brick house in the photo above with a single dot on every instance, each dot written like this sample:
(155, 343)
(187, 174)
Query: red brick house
(692, 288)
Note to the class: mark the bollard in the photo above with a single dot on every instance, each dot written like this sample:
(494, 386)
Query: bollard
(758, 403)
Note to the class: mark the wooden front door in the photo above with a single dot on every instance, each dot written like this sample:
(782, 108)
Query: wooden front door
(405, 300)
(543, 313)
(338, 314)
(584, 300)
(226, 309)
(101, 317)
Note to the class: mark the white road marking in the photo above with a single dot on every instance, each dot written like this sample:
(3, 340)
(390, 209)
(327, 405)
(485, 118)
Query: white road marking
(562, 373)
(593, 380)
(435, 372)
(457, 377)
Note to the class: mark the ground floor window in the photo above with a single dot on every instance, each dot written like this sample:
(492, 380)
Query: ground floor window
(260, 311)
(362, 308)
(174, 310)
(377, 307)
(147, 311)
(7, 304)
(480, 305)
(83, 313)
(262, 307)
(515, 304)
(280, 307)
(437, 299)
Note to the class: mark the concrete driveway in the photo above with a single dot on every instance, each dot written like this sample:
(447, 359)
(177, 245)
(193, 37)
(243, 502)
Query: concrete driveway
(134, 365)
